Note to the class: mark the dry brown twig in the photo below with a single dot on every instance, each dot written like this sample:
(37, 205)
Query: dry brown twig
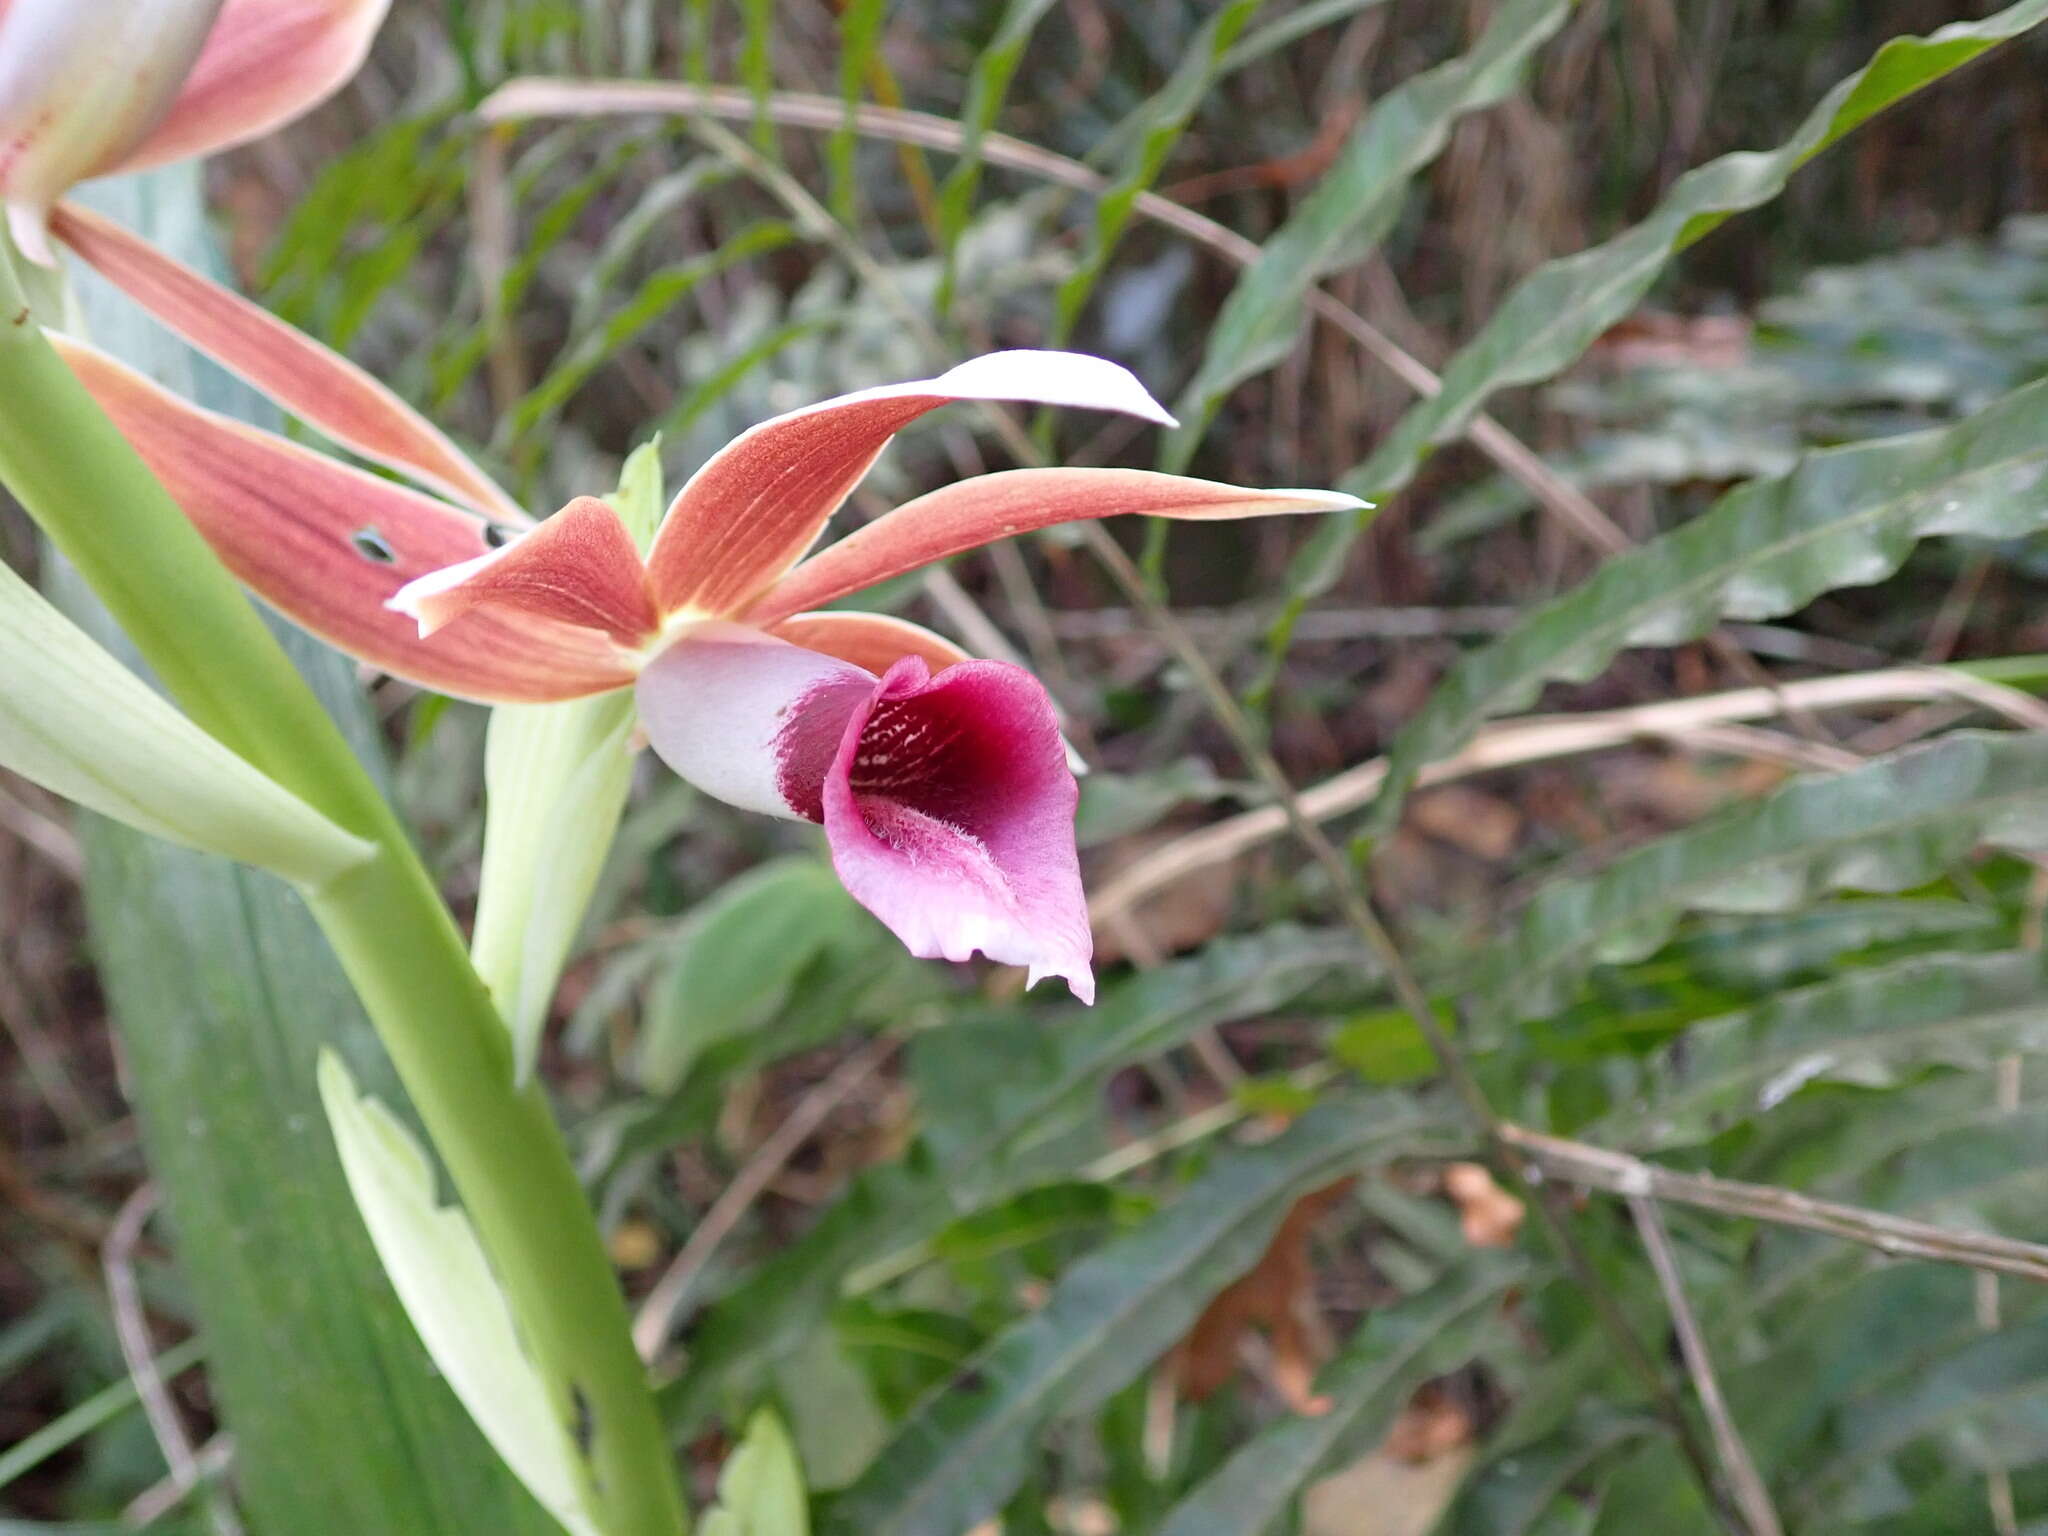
(1751, 1497)
(138, 1352)
(1539, 738)
(1897, 1237)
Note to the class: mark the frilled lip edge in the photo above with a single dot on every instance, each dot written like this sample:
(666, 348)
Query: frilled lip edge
(946, 799)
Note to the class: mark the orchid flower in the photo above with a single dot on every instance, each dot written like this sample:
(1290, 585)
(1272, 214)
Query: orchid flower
(95, 87)
(941, 781)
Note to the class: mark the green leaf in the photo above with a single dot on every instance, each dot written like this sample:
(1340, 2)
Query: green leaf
(77, 722)
(1555, 313)
(757, 69)
(1958, 1010)
(1843, 517)
(998, 1092)
(2008, 1363)
(1116, 805)
(659, 293)
(860, 35)
(555, 781)
(736, 964)
(1395, 1350)
(438, 1269)
(555, 777)
(1512, 1493)
(775, 1307)
(650, 221)
(1352, 208)
(1760, 955)
(995, 1093)
(1386, 1047)
(1892, 824)
(638, 500)
(903, 1352)
(222, 992)
(760, 1487)
(967, 1447)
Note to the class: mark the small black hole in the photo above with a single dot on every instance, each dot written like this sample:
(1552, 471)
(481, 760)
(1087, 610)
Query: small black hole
(372, 545)
(497, 535)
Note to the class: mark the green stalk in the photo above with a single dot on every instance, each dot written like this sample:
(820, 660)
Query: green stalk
(107, 514)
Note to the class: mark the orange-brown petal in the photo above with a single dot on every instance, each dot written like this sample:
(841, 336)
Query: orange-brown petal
(320, 387)
(264, 63)
(750, 513)
(977, 511)
(328, 546)
(875, 641)
(579, 567)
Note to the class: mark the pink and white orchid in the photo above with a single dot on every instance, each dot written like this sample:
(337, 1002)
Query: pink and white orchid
(941, 781)
(93, 87)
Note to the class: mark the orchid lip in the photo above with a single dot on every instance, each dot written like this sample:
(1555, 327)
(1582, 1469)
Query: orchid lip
(945, 798)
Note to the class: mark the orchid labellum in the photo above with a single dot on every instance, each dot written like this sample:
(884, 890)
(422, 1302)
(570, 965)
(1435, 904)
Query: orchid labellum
(94, 87)
(941, 781)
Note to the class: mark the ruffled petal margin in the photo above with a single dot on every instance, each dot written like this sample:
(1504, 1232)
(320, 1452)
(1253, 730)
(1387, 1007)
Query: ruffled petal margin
(950, 814)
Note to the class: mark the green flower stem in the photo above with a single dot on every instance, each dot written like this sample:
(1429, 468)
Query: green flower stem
(104, 510)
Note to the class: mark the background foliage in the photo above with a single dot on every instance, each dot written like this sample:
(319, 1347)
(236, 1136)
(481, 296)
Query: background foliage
(984, 1252)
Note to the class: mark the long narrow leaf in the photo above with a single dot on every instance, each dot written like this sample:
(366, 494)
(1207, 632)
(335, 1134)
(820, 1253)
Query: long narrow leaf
(1958, 1010)
(555, 782)
(1396, 1349)
(987, 85)
(966, 1448)
(222, 993)
(1164, 118)
(860, 35)
(1511, 1494)
(1556, 312)
(1843, 517)
(1892, 824)
(994, 1092)
(1352, 208)
(77, 722)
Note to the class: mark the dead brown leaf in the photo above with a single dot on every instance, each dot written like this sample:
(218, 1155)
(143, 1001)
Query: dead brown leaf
(1489, 1216)
(1433, 1424)
(1275, 1297)
(1471, 820)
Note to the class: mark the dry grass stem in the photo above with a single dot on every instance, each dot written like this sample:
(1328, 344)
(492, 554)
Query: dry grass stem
(1752, 1499)
(1538, 738)
(1896, 1237)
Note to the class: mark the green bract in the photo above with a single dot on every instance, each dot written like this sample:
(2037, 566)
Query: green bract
(431, 1253)
(77, 722)
(556, 777)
